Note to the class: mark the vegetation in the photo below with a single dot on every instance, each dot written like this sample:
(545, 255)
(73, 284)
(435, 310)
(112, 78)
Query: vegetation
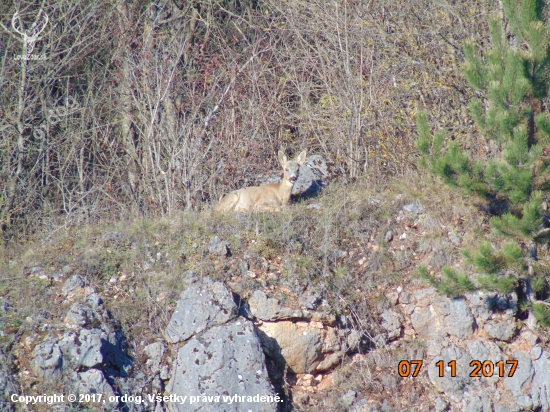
(513, 78)
(141, 109)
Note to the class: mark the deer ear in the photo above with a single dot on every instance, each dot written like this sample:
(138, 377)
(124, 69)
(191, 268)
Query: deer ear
(301, 159)
(282, 158)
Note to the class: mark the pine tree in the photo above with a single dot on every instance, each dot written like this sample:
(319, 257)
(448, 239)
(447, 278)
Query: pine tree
(513, 78)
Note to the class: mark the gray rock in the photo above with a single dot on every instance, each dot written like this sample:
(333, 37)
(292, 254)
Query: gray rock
(154, 352)
(434, 347)
(349, 398)
(484, 350)
(524, 401)
(479, 304)
(74, 282)
(536, 352)
(392, 323)
(218, 247)
(190, 277)
(199, 307)
(80, 315)
(389, 236)
(455, 240)
(268, 309)
(37, 271)
(502, 331)
(475, 402)
(7, 384)
(414, 208)
(540, 388)
(4, 306)
(354, 339)
(503, 302)
(316, 206)
(424, 296)
(93, 381)
(312, 178)
(225, 360)
(84, 348)
(386, 407)
(451, 386)
(530, 337)
(405, 297)
(94, 301)
(459, 321)
(47, 360)
(164, 372)
(424, 323)
(522, 376)
(441, 405)
(57, 276)
(500, 407)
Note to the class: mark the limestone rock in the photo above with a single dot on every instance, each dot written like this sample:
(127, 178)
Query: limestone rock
(93, 381)
(504, 331)
(199, 307)
(218, 246)
(392, 323)
(313, 176)
(154, 352)
(444, 316)
(47, 360)
(540, 389)
(7, 385)
(74, 282)
(224, 360)
(451, 386)
(301, 346)
(268, 309)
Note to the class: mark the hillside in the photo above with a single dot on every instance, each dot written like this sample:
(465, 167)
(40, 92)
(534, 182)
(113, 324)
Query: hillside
(350, 261)
(409, 272)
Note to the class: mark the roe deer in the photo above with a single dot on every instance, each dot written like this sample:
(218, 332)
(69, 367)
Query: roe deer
(270, 197)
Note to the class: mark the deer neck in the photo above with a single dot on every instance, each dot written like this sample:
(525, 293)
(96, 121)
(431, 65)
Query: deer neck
(285, 189)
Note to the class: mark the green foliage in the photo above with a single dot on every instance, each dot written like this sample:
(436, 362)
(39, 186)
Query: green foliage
(542, 313)
(504, 284)
(513, 255)
(452, 284)
(538, 284)
(525, 226)
(513, 77)
(484, 260)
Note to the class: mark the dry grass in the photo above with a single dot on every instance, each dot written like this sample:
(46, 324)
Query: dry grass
(337, 253)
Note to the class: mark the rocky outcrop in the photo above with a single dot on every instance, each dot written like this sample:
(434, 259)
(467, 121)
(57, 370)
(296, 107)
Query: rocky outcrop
(200, 306)
(87, 356)
(221, 365)
(304, 340)
(7, 385)
(223, 369)
(478, 329)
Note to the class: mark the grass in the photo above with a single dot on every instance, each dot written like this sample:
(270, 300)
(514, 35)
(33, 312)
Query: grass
(337, 253)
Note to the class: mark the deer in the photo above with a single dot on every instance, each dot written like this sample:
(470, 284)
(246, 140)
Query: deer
(271, 197)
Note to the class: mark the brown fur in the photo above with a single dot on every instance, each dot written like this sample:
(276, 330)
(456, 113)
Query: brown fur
(271, 197)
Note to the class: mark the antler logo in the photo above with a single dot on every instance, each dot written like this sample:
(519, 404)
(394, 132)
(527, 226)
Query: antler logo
(30, 36)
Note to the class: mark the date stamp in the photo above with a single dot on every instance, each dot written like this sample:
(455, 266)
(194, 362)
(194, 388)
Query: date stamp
(485, 368)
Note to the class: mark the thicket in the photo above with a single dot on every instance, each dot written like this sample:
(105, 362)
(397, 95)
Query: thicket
(512, 77)
(142, 108)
